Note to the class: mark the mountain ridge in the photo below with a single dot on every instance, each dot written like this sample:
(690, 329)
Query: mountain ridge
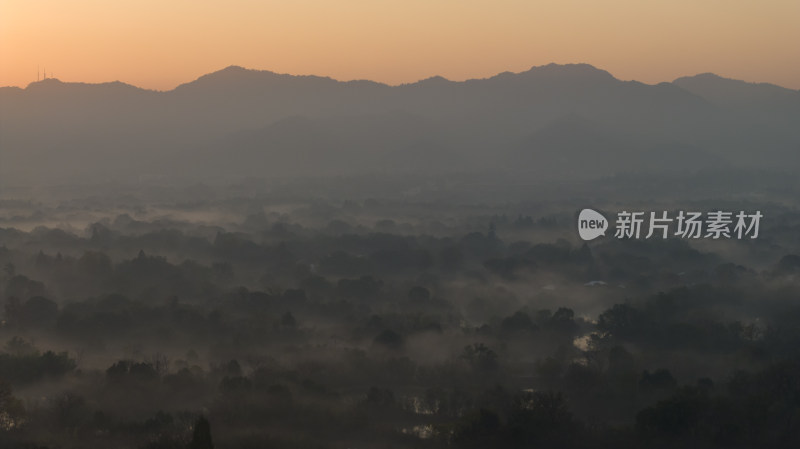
(551, 69)
(53, 129)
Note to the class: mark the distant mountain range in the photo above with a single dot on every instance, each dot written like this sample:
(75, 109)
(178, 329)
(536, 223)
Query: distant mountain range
(553, 121)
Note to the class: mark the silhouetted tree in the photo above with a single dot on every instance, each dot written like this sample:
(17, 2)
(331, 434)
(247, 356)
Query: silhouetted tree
(201, 435)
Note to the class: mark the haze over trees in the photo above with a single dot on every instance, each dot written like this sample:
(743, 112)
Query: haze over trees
(255, 260)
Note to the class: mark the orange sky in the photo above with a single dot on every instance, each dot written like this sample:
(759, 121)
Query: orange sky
(159, 44)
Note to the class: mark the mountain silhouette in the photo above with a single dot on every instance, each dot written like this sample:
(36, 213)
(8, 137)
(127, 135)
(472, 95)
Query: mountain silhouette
(554, 119)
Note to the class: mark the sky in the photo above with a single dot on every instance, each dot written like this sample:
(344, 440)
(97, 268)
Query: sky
(161, 44)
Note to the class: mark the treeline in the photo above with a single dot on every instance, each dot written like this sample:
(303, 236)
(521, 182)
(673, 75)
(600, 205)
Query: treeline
(286, 336)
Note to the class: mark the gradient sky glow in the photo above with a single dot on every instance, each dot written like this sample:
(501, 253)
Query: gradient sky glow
(160, 44)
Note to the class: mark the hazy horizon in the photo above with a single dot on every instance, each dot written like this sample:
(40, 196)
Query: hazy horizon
(435, 76)
(158, 45)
